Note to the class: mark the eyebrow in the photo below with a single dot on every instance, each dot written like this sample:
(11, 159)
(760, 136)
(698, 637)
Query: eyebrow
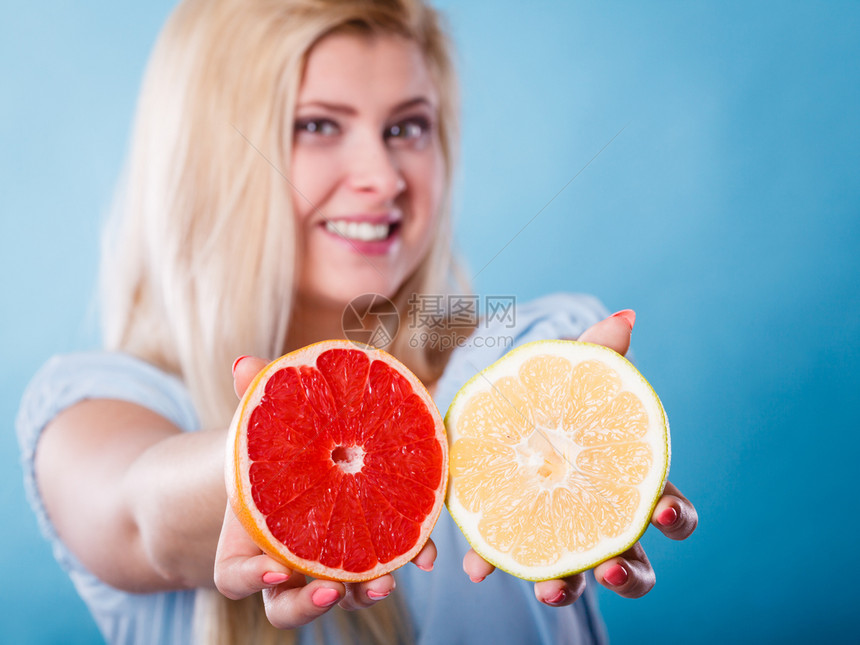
(348, 110)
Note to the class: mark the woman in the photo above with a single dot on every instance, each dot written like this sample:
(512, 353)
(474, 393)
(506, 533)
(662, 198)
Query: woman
(287, 157)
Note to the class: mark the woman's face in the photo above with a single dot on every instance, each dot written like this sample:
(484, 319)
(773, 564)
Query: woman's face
(367, 167)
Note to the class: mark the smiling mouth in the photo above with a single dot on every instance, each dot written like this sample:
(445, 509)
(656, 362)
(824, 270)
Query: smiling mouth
(362, 231)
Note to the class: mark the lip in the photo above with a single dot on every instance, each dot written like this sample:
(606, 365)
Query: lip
(376, 247)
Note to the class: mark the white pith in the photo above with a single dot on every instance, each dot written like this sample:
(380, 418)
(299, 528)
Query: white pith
(548, 453)
(359, 231)
(350, 459)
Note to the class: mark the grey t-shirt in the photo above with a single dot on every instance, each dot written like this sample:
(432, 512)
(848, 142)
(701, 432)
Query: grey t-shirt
(446, 607)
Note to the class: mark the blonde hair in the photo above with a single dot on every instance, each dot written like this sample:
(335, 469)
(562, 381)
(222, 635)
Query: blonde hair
(199, 257)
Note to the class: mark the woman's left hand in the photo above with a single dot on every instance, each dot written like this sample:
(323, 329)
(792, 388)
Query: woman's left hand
(630, 574)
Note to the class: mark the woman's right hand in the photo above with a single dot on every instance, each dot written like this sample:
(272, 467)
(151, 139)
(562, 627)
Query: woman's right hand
(291, 600)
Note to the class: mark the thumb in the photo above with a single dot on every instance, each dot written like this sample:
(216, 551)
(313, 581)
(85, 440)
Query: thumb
(244, 370)
(613, 332)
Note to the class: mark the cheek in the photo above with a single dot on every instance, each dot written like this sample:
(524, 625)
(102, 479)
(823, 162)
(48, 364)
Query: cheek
(428, 200)
(440, 177)
(310, 180)
(427, 178)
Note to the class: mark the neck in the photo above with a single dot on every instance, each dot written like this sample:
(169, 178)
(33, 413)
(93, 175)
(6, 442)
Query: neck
(313, 322)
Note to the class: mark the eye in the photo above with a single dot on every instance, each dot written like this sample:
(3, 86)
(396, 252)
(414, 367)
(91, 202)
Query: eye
(411, 129)
(317, 127)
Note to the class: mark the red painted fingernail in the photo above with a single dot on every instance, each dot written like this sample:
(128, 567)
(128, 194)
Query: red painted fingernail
(616, 576)
(627, 315)
(558, 598)
(275, 577)
(236, 363)
(325, 597)
(668, 516)
(373, 595)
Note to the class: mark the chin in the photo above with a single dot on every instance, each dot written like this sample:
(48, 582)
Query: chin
(339, 295)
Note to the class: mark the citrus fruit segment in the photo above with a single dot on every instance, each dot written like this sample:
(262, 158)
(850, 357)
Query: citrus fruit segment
(559, 452)
(337, 461)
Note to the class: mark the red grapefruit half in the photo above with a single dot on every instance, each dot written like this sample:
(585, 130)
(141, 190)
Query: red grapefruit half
(337, 461)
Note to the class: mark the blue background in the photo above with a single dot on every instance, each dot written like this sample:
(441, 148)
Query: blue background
(726, 213)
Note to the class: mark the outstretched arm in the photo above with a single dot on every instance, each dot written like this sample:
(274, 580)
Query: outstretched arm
(137, 500)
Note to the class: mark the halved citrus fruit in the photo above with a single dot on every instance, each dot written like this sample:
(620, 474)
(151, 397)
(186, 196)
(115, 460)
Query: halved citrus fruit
(337, 461)
(559, 453)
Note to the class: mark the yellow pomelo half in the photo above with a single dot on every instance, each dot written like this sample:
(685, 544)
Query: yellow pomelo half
(558, 454)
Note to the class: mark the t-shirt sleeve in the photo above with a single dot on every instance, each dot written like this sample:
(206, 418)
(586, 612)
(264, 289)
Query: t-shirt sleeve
(69, 379)
(559, 315)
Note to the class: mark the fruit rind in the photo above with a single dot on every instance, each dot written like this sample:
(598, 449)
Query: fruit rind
(236, 463)
(575, 351)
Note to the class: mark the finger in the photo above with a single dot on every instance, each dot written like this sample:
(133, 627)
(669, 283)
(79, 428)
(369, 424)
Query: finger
(558, 593)
(629, 575)
(426, 556)
(364, 594)
(613, 332)
(674, 515)
(240, 578)
(476, 567)
(295, 604)
(244, 370)
(241, 569)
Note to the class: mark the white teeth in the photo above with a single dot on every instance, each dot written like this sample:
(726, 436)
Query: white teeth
(360, 231)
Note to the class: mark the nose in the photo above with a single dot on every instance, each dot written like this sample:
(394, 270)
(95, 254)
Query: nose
(374, 169)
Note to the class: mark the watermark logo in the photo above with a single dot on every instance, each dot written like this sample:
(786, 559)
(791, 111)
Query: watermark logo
(435, 312)
(438, 321)
(371, 319)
